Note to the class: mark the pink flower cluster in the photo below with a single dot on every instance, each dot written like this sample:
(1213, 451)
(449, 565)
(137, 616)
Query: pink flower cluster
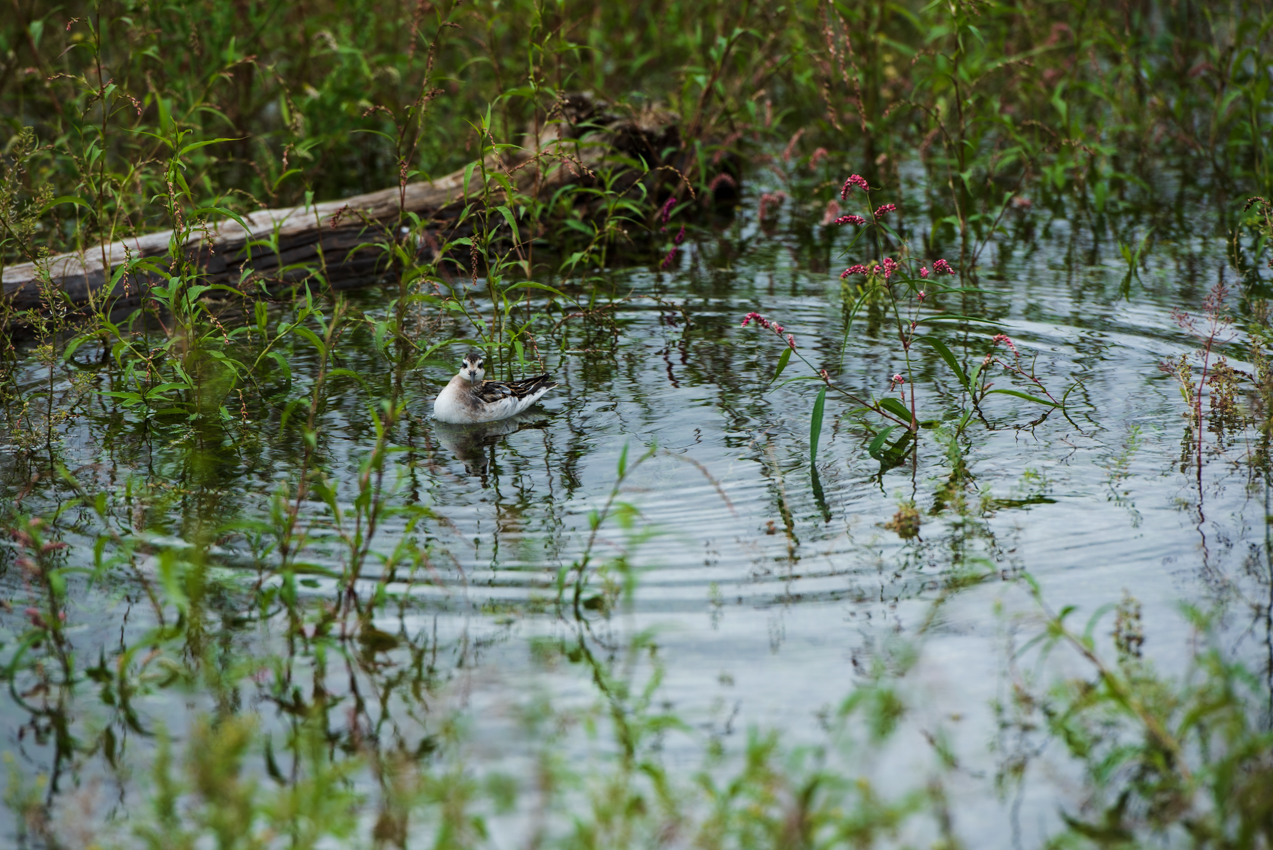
(771, 199)
(851, 219)
(680, 237)
(763, 322)
(722, 179)
(923, 271)
(943, 267)
(666, 212)
(887, 268)
(887, 208)
(858, 269)
(1003, 338)
(769, 326)
(855, 180)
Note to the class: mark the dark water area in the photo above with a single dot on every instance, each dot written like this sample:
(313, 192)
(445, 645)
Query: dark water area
(759, 596)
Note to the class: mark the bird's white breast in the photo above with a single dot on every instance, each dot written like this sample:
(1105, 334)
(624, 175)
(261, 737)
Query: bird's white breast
(457, 405)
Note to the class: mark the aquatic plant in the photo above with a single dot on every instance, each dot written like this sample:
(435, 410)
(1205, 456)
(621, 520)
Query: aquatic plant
(897, 286)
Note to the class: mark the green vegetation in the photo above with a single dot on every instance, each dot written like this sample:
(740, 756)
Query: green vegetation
(231, 528)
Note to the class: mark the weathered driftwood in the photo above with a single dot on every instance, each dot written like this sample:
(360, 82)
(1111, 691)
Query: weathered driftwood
(339, 237)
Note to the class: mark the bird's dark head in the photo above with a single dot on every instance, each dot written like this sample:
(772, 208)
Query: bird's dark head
(472, 370)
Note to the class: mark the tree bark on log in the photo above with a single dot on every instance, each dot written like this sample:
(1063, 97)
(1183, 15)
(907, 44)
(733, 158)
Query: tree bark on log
(339, 238)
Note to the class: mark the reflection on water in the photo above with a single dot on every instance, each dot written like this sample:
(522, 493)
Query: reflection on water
(474, 445)
(766, 591)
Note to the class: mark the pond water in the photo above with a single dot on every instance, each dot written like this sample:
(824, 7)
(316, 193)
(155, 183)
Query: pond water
(760, 596)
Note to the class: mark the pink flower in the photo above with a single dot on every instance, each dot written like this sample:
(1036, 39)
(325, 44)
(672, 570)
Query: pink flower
(818, 155)
(666, 212)
(771, 198)
(667, 260)
(680, 237)
(1003, 338)
(831, 213)
(887, 208)
(719, 180)
(858, 269)
(923, 271)
(791, 341)
(854, 180)
(889, 266)
(921, 295)
(943, 267)
(760, 320)
(897, 380)
(777, 328)
(851, 219)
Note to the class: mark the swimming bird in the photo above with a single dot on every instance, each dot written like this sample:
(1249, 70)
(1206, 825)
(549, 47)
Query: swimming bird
(468, 399)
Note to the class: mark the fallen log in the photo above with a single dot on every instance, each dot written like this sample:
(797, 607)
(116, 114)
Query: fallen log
(339, 238)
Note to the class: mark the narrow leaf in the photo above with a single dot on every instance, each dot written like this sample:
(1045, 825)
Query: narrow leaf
(783, 359)
(815, 424)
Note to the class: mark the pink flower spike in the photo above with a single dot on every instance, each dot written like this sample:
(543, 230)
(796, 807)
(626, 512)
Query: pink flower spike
(858, 269)
(791, 341)
(667, 260)
(923, 271)
(778, 329)
(898, 379)
(680, 237)
(1003, 338)
(666, 212)
(854, 180)
(887, 208)
(943, 267)
(921, 295)
(851, 219)
(747, 319)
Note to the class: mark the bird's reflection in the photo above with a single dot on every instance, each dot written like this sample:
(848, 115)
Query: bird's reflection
(471, 444)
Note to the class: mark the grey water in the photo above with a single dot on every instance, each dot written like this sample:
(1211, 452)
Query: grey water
(761, 593)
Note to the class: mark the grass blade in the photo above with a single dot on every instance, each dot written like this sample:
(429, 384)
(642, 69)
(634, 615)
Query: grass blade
(815, 424)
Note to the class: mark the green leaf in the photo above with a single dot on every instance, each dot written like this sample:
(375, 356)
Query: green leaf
(512, 222)
(783, 360)
(875, 449)
(623, 460)
(530, 284)
(65, 199)
(815, 424)
(194, 146)
(946, 354)
(1027, 397)
(895, 407)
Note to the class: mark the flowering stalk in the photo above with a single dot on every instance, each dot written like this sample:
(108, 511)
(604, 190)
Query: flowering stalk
(875, 406)
(1014, 367)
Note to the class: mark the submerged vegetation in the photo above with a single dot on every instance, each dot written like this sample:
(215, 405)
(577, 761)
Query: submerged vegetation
(252, 596)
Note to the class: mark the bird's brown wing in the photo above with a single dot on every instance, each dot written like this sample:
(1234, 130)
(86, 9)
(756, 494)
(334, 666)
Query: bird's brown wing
(493, 391)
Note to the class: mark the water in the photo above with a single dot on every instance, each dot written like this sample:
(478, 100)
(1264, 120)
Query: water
(764, 600)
